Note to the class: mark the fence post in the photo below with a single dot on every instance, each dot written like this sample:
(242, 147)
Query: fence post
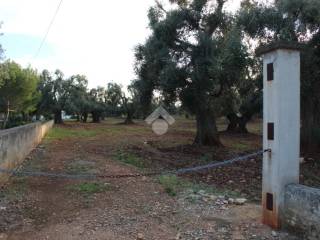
(281, 126)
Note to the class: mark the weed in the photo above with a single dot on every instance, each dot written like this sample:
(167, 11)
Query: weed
(129, 158)
(90, 188)
(172, 184)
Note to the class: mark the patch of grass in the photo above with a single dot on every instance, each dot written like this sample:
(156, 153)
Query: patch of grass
(240, 146)
(16, 190)
(173, 185)
(237, 145)
(111, 129)
(117, 129)
(62, 133)
(89, 188)
(130, 159)
(76, 168)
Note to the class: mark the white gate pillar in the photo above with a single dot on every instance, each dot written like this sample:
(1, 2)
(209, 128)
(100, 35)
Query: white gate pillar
(281, 126)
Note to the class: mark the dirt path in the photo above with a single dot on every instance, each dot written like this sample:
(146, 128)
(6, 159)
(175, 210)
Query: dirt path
(139, 208)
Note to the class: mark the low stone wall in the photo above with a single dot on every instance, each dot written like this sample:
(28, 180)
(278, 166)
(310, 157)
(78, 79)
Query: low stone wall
(302, 211)
(17, 143)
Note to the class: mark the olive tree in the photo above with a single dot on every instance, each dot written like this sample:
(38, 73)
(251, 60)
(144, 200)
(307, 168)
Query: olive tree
(194, 55)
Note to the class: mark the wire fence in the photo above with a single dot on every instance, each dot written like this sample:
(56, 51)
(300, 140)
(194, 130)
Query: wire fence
(181, 171)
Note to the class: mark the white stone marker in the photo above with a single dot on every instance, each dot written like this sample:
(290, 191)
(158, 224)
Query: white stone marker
(281, 126)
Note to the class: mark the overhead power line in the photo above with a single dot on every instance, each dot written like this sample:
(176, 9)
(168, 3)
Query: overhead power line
(48, 29)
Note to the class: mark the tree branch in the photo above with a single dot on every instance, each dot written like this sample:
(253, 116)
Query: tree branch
(159, 5)
(215, 18)
(184, 44)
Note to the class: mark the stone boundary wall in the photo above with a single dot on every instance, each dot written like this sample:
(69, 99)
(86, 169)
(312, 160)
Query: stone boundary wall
(302, 211)
(17, 143)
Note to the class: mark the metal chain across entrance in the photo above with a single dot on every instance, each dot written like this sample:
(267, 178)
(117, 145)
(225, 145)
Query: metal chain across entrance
(181, 171)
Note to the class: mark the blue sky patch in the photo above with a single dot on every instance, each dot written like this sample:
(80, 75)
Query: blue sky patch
(20, 45)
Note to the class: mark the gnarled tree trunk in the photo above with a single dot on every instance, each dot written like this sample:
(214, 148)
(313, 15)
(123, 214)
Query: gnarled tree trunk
(233, 122)
(238, 124)
(84, 117)
(58, 117)
(96, 117)
(243, 121)
(129, 119)
(207, 132)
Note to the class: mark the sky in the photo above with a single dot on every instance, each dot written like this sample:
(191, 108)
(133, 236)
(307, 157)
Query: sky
(95, 38)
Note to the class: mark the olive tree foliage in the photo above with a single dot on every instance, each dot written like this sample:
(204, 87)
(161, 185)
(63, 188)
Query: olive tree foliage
(113, 99)
(131, 106)
(128, 108)
(293, 21)
(78, 103)
(142, 97)
(150, 60)
(118, 102)
(60, 94)
(18, 91)
(244, 101)
(97, 105)
(195, 54)
(55, 94)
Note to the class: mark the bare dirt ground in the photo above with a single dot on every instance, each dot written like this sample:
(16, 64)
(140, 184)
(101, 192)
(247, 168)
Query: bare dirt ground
(192, 207)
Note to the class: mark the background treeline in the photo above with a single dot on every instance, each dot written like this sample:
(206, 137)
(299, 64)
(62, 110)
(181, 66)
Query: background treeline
(198, 60)
(204, 57)
(27, 96)
(18, 94)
